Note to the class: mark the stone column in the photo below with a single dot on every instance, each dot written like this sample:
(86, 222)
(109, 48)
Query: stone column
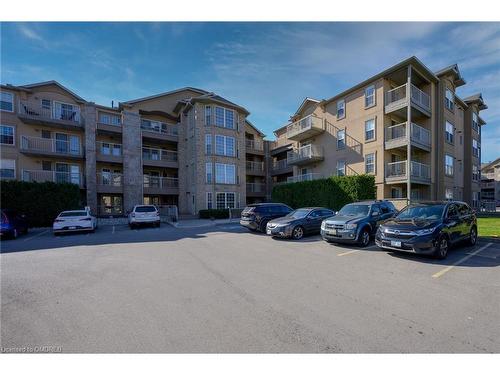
(90, 156)
(132, 160)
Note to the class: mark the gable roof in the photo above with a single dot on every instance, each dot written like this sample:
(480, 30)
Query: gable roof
(253, 127)
(490, 164)
(304, 103)
(453, 70)
(476, 99)
(187, 88)
(212, 97)
(52, 82)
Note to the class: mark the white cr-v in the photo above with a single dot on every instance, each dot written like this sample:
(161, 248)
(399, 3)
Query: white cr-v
(144, 214)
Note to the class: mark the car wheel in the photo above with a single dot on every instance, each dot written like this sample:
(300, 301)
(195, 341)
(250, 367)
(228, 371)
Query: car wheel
(473, 236)
(364, 238)
(262, 226)
(297, 232)
(442, 249)
(131, 226)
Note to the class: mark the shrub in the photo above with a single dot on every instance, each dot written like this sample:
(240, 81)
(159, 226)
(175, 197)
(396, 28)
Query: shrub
(213, 213)
(333, 192)
(40, 202)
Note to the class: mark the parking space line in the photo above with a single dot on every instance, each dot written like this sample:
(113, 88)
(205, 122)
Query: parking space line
(444, 270)
(36, 235)
(347, 253)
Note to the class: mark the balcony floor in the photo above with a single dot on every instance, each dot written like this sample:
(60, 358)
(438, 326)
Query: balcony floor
(308, 133)
(59, 124)
(304, 161)
(402, 142)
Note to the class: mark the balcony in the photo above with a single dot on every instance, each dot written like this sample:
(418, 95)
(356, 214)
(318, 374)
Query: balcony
(157, 130)
(255, 168)
(397, 172)
(397, 99)
(254, 147)
(51, 147)
(305, 155)
(160, 185)
(60, 115)
(110, 183)
(306, 127)
(256, 189)
(52, 176)
(397, 136)
(281, 167)
(304, 177)
(156, 157)
(109, 152)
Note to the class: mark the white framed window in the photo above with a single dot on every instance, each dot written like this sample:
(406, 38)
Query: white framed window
(209, 200)
(448, 194)
(225, 173)
(448, 165)
(475, 199)
(109, 119)
(475, 173)
(370, 163)
(46, 104)
(341, 168)
(370, 130)
(449, 99)
(7, 169)
(340, 109)
(475, 148)
(117, 149)
(106, 148)
(225, 200)
(7, 135)
(224, 145)
(208, 173)
(396, 192)
(208, 115)
(7, 101)
(208, 144)
(370, 96)
(475, 121)
(340, 139)
(450, 132)
(224, 117)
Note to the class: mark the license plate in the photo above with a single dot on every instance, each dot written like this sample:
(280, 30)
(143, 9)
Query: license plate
(396, 243)
(268, 231)
(72, 227)
(333, 232)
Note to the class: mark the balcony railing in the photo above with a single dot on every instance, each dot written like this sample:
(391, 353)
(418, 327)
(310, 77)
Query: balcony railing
(160, 182)
(109, 179)
(399, 169)
(487, 185)
(308, 125)
(308, 152)
(109, 149)
(418, 97)
(255, 166)
(149, 153)
(398, 133)
(52, 176)
(280, 164)
(256, 187)
(159, 127)
(54, 111)
(51, 145)
(254, 145)
(304, 177)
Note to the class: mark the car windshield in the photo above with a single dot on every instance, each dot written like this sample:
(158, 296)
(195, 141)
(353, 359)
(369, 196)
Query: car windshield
(421, 212)
(73, 213)
(145, 209)
(298, 214)
(355, 210)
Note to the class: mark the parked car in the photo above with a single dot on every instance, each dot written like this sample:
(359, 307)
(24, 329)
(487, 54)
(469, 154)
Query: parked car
(357, 222)
(12, 223)
(429, 228)
(256, 216)
(74, 221)
(144, 214)
(299, 222)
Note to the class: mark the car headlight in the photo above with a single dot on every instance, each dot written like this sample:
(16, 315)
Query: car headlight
(323, 224)
(351, 226)
(423, 232)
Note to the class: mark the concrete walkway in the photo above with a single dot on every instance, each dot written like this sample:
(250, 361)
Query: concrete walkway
(200, 223)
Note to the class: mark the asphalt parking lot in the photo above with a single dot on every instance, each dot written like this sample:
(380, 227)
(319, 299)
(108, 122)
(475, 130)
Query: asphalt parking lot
(224, 289)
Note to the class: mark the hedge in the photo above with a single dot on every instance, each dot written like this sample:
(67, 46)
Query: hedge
(333, 192)
(215, 214)
(40, 202)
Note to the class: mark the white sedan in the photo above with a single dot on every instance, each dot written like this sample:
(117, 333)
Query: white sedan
(74, 221)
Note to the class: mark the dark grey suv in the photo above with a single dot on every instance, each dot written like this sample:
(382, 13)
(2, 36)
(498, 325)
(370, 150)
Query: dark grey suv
(256, 216)
(357, 222)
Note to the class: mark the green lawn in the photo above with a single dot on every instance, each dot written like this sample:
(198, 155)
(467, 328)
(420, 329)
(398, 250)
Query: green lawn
(488, 226)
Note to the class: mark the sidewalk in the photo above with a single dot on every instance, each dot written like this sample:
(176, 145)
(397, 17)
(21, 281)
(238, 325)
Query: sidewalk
(200, 223)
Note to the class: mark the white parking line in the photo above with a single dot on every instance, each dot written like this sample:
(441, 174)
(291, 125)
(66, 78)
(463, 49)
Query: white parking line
(444, 270)
(36, 235)
(347, 253)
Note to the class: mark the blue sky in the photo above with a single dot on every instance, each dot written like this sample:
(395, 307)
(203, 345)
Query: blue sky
(266, 67)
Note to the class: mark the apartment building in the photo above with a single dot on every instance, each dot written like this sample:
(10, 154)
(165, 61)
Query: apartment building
(188, 147)
(406, 125)
(490, 184)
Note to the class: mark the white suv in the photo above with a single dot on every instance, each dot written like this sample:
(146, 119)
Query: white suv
(144, 214)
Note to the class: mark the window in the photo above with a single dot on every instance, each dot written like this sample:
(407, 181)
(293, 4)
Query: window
(46, 165)
(46, 134)
(46, 104)
(449, 99)
(475, 148)
(475, 121)
(6, 135)
(397, 192)
(370, 96)
(106, 148)
(224, 145)
(450, 132)
(452, 211)
(225, 200)
(370, 130)
(475, 199)
(224, 117)
(209, 200)
(341, 168)
(208, 144)
(109, 119)
(7, 169)
(475, 173)
(208, 115)
(225, 173)
(7, 101)
(340, 109)
(340, 139)
(448, 193)
(208, 172)
(117, 149)
(370, 163)
(448, 165)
